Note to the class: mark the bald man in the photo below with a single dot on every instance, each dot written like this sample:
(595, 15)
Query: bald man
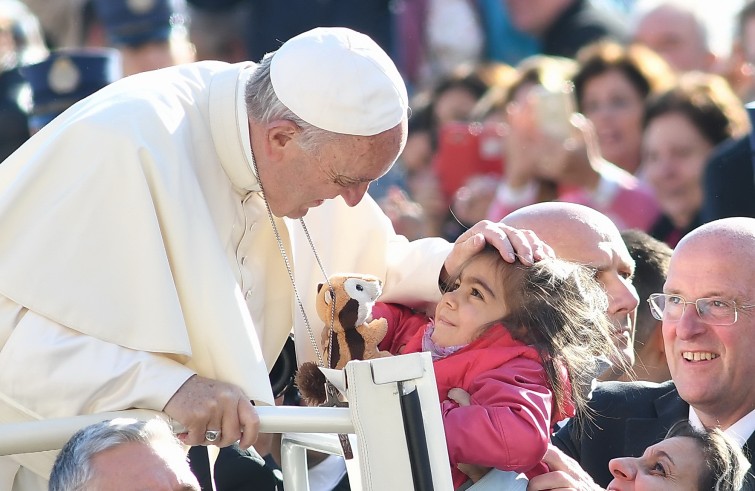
(581, 234)
(675, 30)
(708, 332)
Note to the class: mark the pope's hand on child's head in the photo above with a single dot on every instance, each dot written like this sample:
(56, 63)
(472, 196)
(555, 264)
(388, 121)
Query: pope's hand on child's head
(512, 243)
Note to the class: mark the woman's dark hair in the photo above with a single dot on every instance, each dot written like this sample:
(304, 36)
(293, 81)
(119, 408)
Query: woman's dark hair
(725, 463)
(646, 71)
(707, 101)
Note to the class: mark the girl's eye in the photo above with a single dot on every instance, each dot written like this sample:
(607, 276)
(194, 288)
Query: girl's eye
(476, 293)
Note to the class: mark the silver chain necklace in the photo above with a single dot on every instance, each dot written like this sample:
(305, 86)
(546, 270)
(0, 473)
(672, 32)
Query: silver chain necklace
(331, 393)
(282, 250)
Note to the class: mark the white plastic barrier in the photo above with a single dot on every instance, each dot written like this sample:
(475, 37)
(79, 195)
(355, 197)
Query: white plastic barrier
(393, 418)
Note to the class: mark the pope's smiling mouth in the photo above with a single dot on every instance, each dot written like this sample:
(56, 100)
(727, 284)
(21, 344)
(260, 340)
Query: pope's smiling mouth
(698, 356)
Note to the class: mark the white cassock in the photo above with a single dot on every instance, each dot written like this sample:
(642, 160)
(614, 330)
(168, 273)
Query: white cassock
(136, 251)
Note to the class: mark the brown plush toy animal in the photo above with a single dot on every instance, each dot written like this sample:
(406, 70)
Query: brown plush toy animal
(355, 334)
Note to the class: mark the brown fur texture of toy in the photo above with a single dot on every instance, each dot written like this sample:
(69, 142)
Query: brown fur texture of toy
(355, 334)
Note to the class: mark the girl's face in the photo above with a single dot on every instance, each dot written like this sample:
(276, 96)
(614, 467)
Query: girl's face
(674, 463)
(675, 153)
(475, 301)
(615, 108)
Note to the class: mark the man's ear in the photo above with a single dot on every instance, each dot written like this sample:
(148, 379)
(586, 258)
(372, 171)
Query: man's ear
(280, 136)
(657, 338)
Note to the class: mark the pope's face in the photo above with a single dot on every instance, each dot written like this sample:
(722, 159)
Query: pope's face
(344, 167)
(673, 464)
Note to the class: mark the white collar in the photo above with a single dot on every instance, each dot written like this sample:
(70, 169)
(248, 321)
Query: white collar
(230, 127)
(739, 431)
(242, 121)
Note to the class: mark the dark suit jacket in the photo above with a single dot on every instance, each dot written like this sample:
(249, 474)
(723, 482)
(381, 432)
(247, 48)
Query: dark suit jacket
(235, 470)
(581, 24)
(728, 183)
(629, 417)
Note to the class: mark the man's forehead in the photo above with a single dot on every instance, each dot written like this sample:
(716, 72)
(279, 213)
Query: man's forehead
(606, 254)
(364, 159)
(710, 267)
(576, 233)
(623, 257)
(592, 248)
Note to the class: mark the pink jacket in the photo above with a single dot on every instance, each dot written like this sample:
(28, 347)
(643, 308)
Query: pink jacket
(509, 421)
(622, 198)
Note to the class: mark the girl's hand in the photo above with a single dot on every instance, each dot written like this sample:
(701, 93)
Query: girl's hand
(459, 396)
(565, 474)
(474, 472)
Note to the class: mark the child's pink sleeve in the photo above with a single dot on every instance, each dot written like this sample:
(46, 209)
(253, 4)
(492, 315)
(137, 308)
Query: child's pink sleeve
(507, 425)
(403, 323)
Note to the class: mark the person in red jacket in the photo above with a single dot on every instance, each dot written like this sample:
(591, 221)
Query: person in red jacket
(514, 350)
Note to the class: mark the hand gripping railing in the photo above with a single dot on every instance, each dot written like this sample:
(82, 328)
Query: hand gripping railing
(393, 412)
(49, 434)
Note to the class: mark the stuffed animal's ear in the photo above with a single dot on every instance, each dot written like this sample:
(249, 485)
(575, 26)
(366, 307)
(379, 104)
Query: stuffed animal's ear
(319, 287)
(328, 296)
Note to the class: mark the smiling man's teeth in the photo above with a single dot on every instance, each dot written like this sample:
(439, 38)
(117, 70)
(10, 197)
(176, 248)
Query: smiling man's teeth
(697, 356)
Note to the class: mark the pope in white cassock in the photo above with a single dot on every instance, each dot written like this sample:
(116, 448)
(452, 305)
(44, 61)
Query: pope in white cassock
(140, 253)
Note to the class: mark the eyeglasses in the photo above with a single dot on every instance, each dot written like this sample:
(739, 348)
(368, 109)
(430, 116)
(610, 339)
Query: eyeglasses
(713, 311)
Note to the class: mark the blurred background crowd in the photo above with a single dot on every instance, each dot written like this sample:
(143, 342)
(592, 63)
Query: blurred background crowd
(633, 107)
(636, 108)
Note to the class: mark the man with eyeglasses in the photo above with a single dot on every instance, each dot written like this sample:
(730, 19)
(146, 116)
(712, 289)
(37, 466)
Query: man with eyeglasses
(708, 332)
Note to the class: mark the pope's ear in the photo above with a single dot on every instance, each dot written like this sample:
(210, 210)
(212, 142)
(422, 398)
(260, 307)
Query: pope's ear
(280, 134)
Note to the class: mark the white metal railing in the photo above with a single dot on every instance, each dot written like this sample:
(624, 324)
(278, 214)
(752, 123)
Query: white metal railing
(50, 434)
(374, 420)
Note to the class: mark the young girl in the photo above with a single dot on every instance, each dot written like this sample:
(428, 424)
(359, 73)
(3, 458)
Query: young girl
(521, 341)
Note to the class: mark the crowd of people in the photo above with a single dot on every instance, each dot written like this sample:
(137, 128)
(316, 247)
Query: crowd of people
(558, 196)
